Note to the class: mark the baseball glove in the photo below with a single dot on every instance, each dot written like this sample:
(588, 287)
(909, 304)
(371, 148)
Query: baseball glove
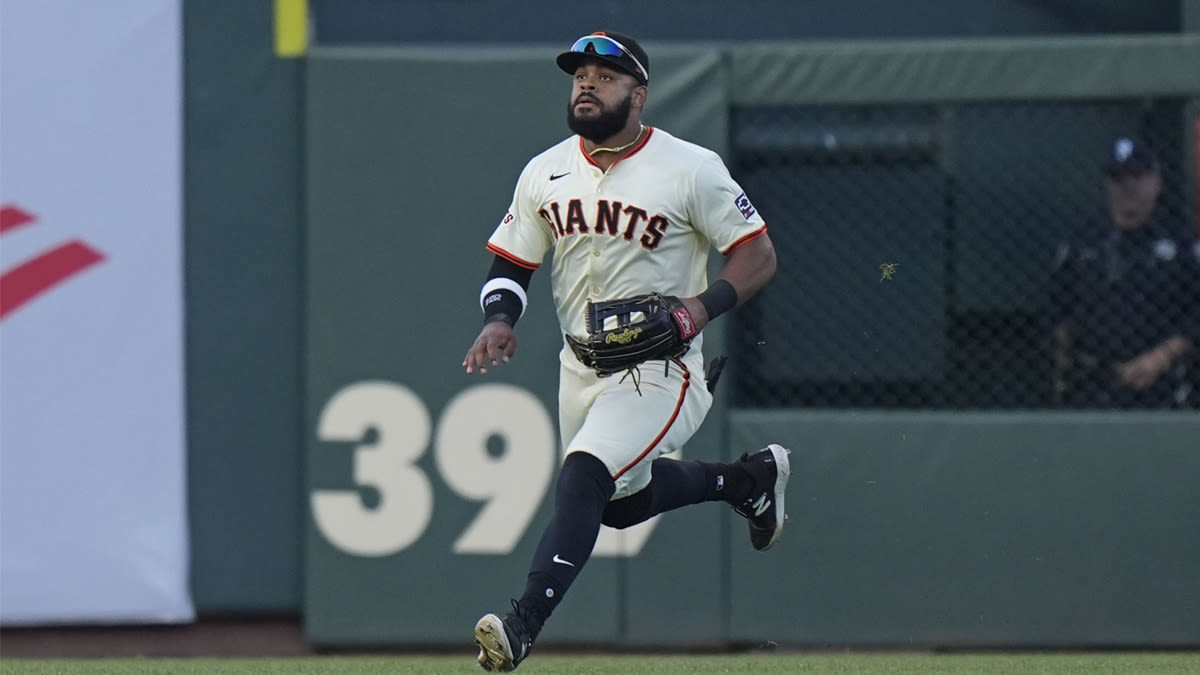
(624, 333)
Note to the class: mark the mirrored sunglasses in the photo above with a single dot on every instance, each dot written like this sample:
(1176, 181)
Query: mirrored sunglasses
(606, 46)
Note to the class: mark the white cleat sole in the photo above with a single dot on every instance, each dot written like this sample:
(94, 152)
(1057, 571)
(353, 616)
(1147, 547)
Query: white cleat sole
(495, 654)
(783, 468)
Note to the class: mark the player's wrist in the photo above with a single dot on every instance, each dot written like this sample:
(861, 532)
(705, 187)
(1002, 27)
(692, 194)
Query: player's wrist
(718, 298)
(503, 300)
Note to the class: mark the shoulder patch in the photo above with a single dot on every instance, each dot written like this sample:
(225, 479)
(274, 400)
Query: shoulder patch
(743, 204)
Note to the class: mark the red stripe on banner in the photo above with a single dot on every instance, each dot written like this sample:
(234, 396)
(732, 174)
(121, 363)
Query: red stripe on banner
(24, 283)
(12, 217)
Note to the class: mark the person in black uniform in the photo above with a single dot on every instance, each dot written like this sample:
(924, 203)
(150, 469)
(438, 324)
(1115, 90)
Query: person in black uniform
(1126, 299)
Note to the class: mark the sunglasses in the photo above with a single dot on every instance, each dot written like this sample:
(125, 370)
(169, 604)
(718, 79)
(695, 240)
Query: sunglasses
(606, 46)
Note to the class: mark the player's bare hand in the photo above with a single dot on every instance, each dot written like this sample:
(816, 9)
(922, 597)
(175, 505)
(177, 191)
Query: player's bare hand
(496, 345)
(696, 309)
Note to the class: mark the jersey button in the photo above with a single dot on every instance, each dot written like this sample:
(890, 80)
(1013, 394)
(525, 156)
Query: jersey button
(596, 290)
(596, 253)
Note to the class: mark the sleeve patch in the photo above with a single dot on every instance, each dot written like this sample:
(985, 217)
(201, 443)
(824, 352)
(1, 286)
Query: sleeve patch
(743, 204)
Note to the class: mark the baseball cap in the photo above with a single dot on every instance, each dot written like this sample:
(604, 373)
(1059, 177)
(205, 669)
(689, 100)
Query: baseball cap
(616, 49)
(1130, 156)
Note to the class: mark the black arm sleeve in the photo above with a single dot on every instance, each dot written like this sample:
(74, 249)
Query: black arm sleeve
(508, 269)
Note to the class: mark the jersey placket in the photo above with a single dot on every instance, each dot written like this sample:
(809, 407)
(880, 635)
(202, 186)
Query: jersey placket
(595, 273)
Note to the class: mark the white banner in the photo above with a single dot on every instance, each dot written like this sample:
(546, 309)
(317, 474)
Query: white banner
(93, 520)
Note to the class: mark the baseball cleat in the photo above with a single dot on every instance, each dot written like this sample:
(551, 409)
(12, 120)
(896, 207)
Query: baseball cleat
(503, 643)
(764, 509)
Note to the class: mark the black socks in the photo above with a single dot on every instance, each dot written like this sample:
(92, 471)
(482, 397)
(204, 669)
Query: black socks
(583, 489)
(582, 504)
(677, 483)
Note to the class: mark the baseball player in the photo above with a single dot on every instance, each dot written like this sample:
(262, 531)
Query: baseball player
(628, 212)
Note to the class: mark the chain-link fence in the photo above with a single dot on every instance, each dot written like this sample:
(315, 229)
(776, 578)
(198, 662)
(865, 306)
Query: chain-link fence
(918, 244)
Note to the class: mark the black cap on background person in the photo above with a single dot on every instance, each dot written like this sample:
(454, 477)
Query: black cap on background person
(1130, 156)
(1133, 183)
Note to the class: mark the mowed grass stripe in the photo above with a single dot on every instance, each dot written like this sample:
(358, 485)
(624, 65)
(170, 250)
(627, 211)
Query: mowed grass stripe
(658, 664)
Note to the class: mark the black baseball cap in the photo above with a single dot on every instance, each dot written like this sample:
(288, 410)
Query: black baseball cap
(1130, 156)
(617, 49)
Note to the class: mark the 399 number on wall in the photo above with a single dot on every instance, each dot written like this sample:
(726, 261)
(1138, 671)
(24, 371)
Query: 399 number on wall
(510, 486)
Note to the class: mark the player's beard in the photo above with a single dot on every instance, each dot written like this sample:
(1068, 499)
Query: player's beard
(606, 124)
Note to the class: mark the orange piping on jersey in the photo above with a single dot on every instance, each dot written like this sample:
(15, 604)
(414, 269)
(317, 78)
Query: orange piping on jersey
(512, 258)
(687, 377)
(750, 237)
(639, 146)
(591, 160)
(585, 154)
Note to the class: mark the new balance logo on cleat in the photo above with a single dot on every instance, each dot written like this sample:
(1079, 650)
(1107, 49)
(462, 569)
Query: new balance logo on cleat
(761, 505)
(764, 510)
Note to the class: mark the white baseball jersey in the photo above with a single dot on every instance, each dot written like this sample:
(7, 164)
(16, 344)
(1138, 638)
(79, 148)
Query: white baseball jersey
(643, 226)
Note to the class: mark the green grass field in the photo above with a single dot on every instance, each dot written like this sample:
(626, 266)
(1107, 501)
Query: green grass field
(759, 664)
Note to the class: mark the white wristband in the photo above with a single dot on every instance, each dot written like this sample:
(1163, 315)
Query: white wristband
(504, 284)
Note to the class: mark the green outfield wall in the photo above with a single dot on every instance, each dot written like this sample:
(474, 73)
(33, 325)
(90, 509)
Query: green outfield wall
(988, 530)
(242, 194)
